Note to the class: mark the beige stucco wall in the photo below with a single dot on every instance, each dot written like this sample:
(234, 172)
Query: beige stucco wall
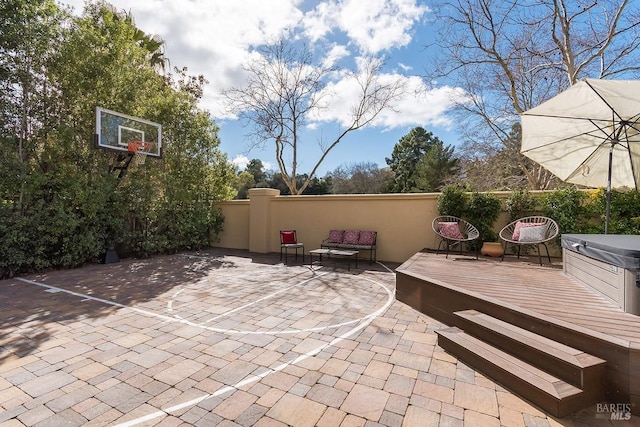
(235, 234)
(403, 221)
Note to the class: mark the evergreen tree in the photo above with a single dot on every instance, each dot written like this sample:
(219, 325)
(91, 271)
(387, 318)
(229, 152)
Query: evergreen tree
(256, 169)
(420, 162)
(435, 167)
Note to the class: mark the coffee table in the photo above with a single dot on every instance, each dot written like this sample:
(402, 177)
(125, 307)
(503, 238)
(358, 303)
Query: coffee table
(334, 252)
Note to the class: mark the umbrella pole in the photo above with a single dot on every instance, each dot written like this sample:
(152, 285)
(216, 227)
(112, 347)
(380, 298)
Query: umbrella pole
(608, 202)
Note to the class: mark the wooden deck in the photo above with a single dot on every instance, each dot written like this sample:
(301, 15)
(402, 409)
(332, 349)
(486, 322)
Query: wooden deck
(541, 299)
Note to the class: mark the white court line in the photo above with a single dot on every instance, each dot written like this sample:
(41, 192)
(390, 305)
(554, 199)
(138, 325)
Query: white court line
(251, 379)
(85, 297)
(385, 267)
(240, 275)
(265, 298)
(279, 332)
(178, 319)
(366, 320)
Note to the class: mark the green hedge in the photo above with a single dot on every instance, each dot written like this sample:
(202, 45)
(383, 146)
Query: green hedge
(578, 211)
(575, 211)
(67, 221)
(480, 209)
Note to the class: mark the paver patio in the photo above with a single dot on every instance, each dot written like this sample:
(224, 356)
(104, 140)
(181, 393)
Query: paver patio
(235, 339)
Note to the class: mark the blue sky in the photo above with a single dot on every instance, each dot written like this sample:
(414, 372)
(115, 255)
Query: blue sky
(215, 37)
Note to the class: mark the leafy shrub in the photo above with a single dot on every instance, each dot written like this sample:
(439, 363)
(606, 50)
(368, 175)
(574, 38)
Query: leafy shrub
(480, 209)
(483, 211)
(566, 207)
(169, 228)
(14, 244)
(625, 211)
(521, 203)
(453, 201)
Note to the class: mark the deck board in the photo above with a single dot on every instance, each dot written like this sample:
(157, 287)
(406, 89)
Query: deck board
(545, 290)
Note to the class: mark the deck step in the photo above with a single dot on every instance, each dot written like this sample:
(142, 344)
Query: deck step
(574, 366)
(550, 393)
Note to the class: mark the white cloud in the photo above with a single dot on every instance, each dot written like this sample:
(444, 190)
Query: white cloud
(215, 38)
(422, 106)
(418, 106)
(374, 25)
(241, 161)
(335, 54)
(320, 21)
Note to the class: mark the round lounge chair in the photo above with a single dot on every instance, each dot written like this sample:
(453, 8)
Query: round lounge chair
(531, 230)
(453, 231)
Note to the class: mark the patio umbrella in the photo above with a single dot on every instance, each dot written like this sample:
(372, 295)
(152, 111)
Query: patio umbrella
(588, 135)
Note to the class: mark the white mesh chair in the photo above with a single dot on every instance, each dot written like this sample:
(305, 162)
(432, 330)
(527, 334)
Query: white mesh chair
(454, 231)
(531, 230)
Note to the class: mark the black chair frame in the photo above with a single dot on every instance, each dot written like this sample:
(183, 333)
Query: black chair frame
(285, 247)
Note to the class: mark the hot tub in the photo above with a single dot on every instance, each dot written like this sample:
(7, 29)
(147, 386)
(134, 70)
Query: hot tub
(608, 263)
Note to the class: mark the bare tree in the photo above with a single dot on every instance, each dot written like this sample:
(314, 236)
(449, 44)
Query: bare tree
(510, 55)
(506, 168)
(285, 89)
(359, 178)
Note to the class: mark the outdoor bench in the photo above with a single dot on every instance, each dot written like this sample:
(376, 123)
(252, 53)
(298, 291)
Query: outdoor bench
(357, 240)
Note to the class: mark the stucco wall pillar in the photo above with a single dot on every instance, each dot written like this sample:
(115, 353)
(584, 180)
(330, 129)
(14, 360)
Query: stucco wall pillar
(260, 218)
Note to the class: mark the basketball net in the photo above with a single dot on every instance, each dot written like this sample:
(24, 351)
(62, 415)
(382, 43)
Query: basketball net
(139, 151)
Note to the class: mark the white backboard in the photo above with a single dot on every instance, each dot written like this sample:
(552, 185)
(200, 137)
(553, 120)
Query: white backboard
(118, 131)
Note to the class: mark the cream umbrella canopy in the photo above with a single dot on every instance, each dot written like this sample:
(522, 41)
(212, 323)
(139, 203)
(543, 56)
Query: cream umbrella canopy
(588, 135)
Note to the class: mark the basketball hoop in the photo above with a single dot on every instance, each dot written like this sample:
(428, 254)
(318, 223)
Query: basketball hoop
(138, 150)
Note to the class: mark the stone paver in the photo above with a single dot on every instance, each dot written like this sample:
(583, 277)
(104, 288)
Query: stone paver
(229, 338)
(44, 384)
(366, 402)
(295, 410)
(420, 417)
(476, 398)
(233, 406)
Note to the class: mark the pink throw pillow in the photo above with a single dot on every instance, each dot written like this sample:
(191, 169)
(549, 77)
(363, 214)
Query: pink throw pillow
(367, 238)
(335, 236)
(520, 224)
(351, 237)
(450, 230)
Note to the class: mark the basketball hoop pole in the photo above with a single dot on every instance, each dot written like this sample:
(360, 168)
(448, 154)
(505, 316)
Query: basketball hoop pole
(123, 167)
(133, 138)
(136, 153)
